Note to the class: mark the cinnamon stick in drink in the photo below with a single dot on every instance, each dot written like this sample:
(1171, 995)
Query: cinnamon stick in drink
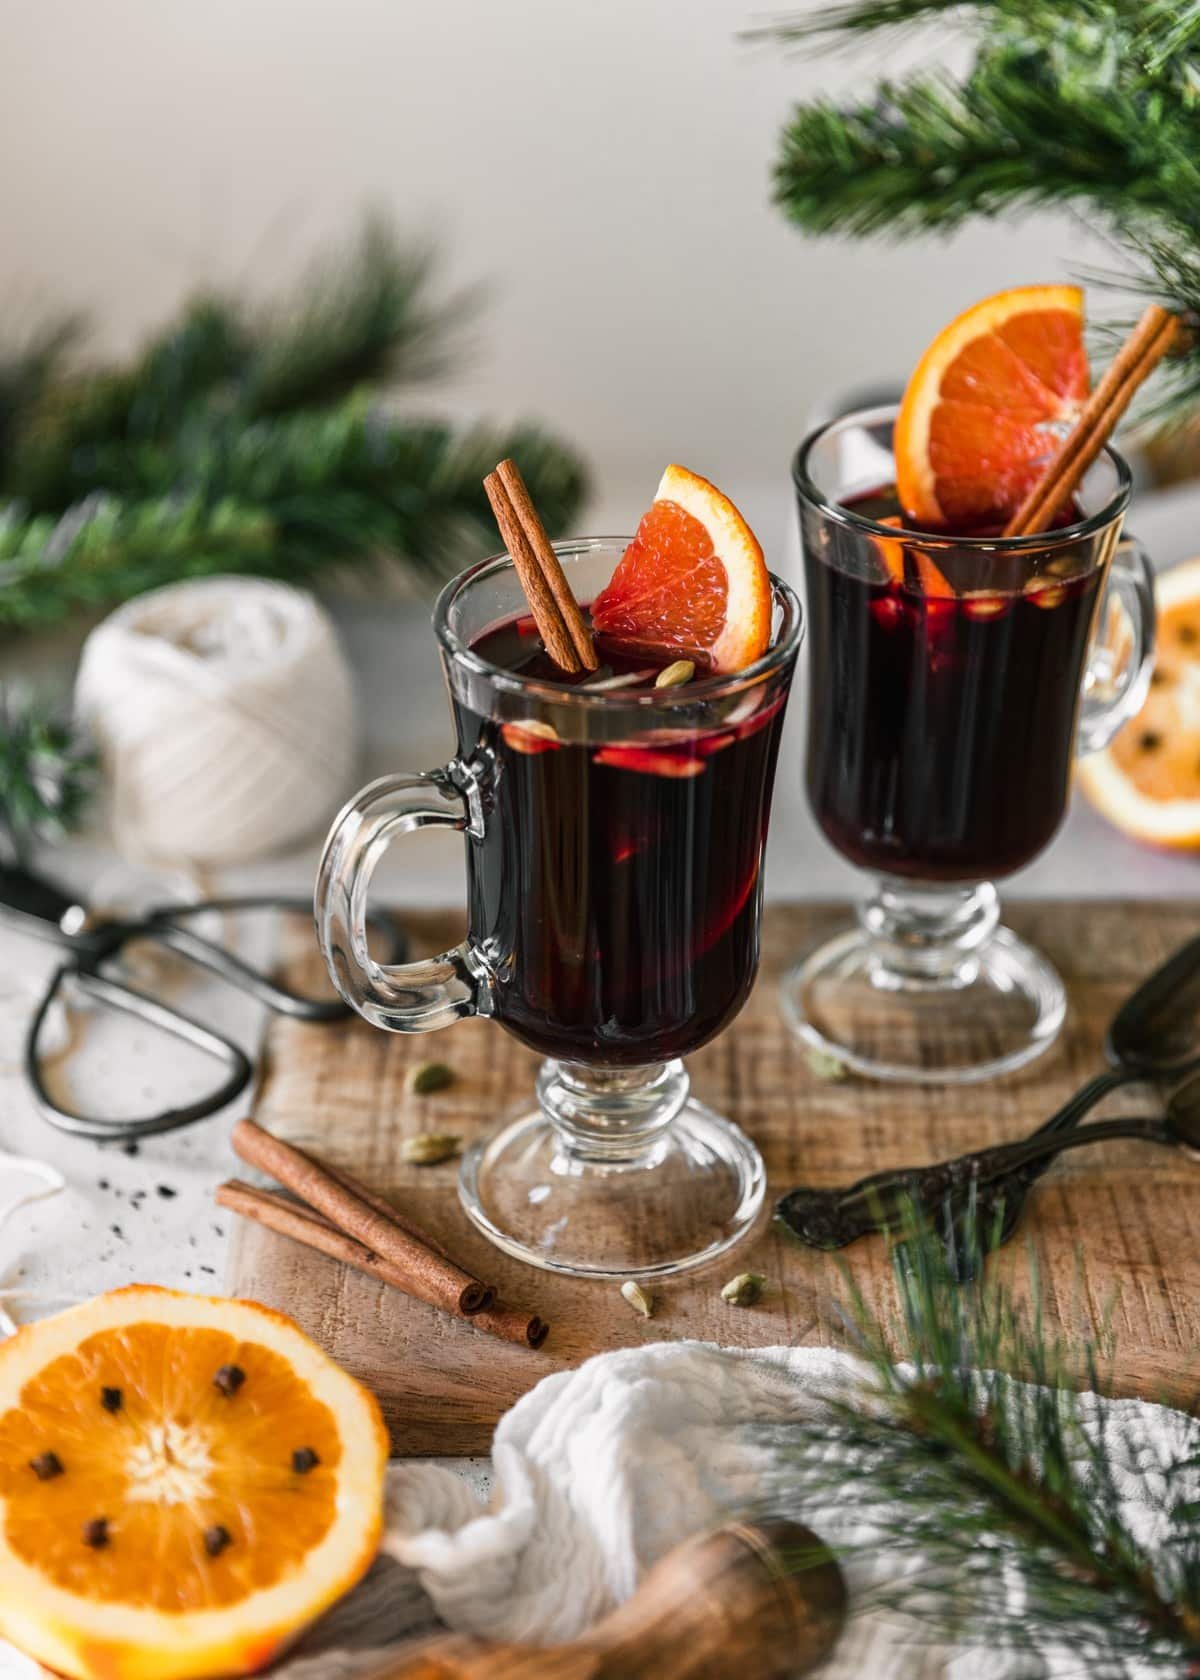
(555, 610)
(549, 564)
(1156, 333)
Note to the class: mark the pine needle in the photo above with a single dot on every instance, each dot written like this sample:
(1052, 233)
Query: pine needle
(48, 772)
(1010, 1504)
(1091, 104)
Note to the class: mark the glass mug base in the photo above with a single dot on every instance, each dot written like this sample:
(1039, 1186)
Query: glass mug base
(613, 1176)
(994, 1009)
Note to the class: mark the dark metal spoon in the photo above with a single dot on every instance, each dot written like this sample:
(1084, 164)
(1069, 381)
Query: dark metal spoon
(1154, 1035)
(887, 1200)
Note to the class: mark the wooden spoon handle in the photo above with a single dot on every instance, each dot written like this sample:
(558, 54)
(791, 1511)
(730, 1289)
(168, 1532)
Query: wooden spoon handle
(755, 1601)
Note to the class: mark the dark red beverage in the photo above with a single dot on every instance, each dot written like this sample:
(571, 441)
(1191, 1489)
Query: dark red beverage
(942, 714)
(616, 888)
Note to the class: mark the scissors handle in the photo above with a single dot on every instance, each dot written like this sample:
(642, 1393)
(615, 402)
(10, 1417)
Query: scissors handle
(239, 1069)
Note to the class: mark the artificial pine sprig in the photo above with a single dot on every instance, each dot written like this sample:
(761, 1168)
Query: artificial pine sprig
(252, 441)
(48, 773)
(1089, 103)
(293, 499)
(1009, 1499)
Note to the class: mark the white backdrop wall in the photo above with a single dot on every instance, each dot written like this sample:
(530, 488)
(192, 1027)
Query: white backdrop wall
(602, 164)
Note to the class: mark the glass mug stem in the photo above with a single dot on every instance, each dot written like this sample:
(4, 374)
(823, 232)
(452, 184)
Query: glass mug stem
(927, 935)
(612, 1117)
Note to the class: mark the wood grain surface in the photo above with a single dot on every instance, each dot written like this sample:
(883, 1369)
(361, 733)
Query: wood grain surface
(1116, 1229)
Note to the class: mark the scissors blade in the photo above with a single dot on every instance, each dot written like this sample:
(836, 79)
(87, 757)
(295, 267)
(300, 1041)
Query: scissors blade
(34, 904)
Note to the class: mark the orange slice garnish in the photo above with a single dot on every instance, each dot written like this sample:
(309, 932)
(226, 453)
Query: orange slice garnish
(185, 1484)
(1147, 781)
(693, 579)
(987, 405)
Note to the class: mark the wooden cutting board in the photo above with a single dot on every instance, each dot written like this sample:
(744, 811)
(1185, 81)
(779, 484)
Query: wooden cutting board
(1131, 1211)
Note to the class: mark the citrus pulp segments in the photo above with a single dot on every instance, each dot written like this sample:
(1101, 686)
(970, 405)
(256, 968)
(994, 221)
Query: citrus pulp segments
(90, 1639)
(986, 403)
(742, 633)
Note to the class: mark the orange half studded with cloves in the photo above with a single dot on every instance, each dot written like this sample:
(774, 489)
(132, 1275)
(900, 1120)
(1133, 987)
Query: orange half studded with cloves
(185, 1484)
(1147, 781)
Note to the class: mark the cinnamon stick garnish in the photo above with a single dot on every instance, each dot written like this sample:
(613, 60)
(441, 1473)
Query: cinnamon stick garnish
(1155, 334)
(279, 1213)
(556, 612)
(420, 1269)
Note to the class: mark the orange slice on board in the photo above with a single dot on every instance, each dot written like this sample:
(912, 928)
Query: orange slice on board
(1147, 781)
(693, 578)
(987, 404)
(185, 1483)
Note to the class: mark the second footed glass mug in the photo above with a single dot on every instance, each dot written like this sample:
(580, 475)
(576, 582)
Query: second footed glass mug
(614, 844)
(952, 681)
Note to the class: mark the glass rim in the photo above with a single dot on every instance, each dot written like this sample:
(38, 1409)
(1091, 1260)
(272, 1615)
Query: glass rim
(706, 687)
(807, 487)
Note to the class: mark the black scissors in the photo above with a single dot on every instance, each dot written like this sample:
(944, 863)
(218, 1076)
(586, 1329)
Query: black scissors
(38, 906)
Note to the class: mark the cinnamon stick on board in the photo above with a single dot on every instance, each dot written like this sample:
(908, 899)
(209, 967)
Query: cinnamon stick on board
(427, 1273)
(1155, 334)
(280, 1213)
(556, 612)
(511, 1323)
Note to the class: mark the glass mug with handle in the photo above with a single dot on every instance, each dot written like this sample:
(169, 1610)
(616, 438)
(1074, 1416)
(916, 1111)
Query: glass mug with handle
(952, 681)
(614, 845)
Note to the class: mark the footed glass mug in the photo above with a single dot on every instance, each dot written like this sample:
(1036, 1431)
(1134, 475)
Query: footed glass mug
(614, 843)
(952, 680)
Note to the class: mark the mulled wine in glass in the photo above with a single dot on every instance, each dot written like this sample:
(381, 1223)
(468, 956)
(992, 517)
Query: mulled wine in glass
(614, 839)
(952, 680)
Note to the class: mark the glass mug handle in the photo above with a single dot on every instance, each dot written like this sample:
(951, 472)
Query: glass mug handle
(404, 997)
(1122, 657)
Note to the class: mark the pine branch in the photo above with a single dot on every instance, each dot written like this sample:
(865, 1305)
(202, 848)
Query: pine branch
(1158, 29)
(291, 498)
(71, 437)
(368, 317)
(47, 773)
(249, 441)
(1093, 104)
(1168, 31)
(27, 368)
(997, 1487)
(105, 550)
(924, 155)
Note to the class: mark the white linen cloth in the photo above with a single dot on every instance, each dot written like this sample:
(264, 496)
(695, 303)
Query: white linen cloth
(600, 1470)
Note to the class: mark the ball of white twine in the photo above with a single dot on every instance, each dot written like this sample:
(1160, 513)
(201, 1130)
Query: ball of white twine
(223, 710)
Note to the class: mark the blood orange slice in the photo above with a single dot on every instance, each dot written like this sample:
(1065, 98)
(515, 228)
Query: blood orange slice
(185, 1483)
(693, 578)
(987, 404)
